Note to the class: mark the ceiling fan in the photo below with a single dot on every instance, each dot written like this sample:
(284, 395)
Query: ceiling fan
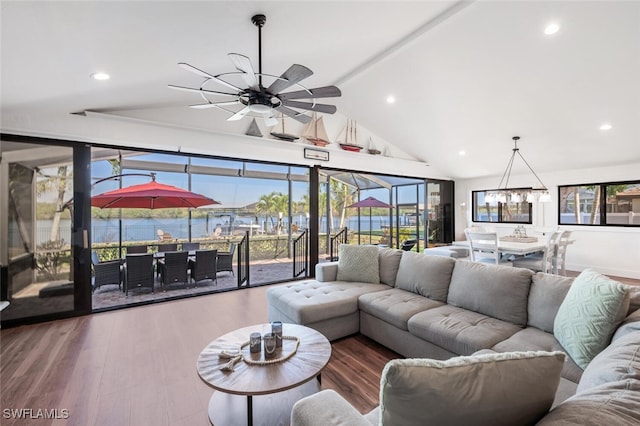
(257, 100)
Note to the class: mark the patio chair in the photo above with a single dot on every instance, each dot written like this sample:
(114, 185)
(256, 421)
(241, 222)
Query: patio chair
(190, 246)
(204, 266)
(106, 273)
(173, 268)
(163, 236)
(407, 245)
(225, 259)
(139, 272)
(137, 249)
(541, 262)
(162, 248)
(483, 247)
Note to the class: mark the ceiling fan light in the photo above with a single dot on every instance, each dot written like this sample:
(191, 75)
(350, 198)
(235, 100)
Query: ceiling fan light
(259, 108)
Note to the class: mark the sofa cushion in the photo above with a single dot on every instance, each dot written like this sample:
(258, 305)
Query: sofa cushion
(306, 302)
(395, 306)
(388, 263)
(458, 330)
(589, 314)
(546, 294)
(629, 325)
(358, 263)
(614, 403)
(619, 361)
(515, 388)
(498, 291)
(532, 339)
(428, 276)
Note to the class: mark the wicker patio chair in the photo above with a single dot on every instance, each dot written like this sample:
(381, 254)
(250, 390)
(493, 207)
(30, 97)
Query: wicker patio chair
(173, 268)
(225, 259)
(204, 266)
(190, 246)
(162, 248)
(106, 273)
(139, 272)
(137, 249)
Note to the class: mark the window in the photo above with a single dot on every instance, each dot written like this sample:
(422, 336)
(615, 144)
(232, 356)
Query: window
(490, 209)
(610, 204)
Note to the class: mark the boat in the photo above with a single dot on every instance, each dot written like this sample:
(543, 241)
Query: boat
(282, 135)
(350, 142)
(372, 148)
(315, 132)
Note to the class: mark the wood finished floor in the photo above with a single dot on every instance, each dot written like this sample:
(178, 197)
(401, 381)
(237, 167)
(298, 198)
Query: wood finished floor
(137, 366)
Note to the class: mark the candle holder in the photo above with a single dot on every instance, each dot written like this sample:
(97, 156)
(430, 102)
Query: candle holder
(255, 341)
(269, 342)
(276, 328)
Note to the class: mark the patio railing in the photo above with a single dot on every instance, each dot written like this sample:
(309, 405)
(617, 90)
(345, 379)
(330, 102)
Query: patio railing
(334, 243)
(301, 254)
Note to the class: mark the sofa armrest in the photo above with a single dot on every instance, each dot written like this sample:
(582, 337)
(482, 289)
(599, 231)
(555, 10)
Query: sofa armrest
(326, 408)
(327, 271)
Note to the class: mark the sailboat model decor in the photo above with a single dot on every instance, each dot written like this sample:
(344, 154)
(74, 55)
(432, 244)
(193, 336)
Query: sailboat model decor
(282, 135)
(315, 132)
(372, 148)
(350, 142)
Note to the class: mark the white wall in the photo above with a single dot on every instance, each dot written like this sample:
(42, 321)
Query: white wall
(609, 250)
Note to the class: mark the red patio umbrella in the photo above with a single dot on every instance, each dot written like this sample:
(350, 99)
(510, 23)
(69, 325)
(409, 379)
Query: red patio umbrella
(151, 195)
(371, 202)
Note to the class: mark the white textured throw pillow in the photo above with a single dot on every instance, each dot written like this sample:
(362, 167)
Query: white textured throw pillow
(358, 263)
(589, 314)
(510, 388)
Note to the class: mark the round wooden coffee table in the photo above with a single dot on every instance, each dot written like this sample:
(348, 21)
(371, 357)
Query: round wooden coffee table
(289, 380)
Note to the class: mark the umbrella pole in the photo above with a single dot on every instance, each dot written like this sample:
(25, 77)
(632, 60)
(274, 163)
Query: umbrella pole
(369, 225)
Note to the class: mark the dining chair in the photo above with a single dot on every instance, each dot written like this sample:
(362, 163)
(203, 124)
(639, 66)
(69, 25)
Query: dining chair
(225, 259)
(543, 262)
(105, 273)
(173, 268)
(559, 266)
(204, 266)
(137, 249)
(139, 272)
(483, 247)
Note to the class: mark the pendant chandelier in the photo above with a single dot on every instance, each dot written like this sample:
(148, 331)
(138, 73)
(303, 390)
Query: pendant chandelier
(505, 193)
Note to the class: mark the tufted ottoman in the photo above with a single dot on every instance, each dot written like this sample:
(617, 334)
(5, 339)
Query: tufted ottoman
(329, 307)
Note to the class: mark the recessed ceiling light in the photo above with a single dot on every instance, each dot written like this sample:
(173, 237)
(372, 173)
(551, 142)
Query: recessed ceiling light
(462, 152)
(390, 99)
(551, 28)
(606, 126)
(100, 76)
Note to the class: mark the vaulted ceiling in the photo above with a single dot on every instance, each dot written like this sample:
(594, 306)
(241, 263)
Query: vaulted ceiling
(466, 76)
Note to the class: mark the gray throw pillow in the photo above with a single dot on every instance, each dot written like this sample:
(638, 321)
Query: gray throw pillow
(358, 263)
(589, 314)
(389, 261)
(509, 388)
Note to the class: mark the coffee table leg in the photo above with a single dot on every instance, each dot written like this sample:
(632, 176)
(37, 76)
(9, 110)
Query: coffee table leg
(249, 410)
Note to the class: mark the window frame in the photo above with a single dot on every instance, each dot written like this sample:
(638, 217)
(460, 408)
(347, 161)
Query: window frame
(603, 204)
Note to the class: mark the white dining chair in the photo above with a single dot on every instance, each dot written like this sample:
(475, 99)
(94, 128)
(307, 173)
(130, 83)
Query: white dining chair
(559, 265)
(543, 262)
(483, 247)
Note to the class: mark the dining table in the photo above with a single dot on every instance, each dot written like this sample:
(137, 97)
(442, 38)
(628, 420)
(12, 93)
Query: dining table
(510, 247)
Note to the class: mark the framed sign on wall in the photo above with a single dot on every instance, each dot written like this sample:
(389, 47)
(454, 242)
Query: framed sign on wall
(316, 154)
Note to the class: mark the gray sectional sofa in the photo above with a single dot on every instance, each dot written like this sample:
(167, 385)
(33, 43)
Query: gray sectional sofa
(438, 307)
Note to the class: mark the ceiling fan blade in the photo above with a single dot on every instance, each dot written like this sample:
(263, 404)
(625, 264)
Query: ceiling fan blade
(243, 64)
(270, 120)
(294, 114)
(318, 92)
(191, 89)
(291, 76)
(240, 114)
(204, 74)
(329, 109)
(213, 104)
